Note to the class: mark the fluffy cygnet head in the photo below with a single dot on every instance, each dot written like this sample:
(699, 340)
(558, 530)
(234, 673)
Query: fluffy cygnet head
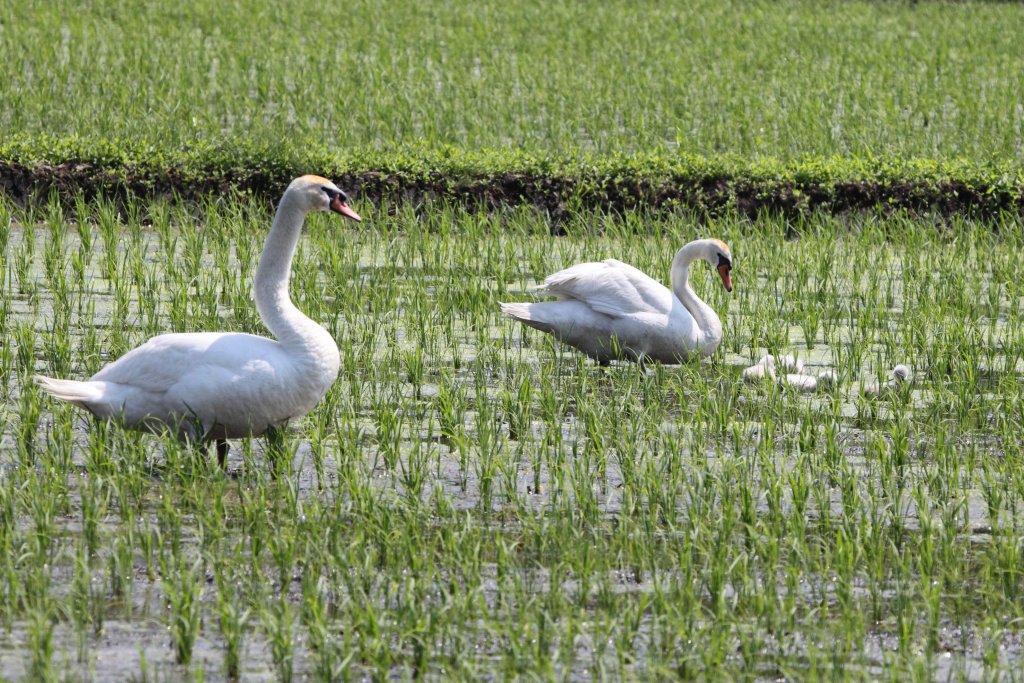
(901, 373)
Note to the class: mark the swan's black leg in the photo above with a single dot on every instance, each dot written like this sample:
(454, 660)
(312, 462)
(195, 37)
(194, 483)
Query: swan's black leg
(222, 453)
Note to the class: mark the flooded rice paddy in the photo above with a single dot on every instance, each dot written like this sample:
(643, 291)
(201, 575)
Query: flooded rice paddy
(474, 500)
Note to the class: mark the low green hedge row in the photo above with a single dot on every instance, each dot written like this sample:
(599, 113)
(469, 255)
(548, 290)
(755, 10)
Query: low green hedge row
(34, 167)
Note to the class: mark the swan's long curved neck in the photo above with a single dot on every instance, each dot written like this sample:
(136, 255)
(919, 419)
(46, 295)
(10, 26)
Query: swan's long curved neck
(707, 320)
(286, 322)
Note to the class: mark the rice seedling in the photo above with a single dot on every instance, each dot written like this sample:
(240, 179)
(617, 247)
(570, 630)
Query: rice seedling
(277, 619)
(40, 644)
(871, 79)
(183, 590)
(475, 499)
(233, 616)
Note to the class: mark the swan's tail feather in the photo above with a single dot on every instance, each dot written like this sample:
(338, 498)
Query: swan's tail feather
(524, 314)
(517, 311)
(79, 393)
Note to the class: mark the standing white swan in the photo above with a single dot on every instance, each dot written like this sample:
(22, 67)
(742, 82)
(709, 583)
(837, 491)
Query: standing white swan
(612, 310)
(223, 385)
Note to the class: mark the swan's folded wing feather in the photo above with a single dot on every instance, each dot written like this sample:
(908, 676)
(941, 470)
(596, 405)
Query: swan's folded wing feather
(611, 287)
(161, 362)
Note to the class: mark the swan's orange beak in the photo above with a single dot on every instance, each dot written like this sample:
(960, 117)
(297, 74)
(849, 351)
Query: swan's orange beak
(338, 206)
(723, 272)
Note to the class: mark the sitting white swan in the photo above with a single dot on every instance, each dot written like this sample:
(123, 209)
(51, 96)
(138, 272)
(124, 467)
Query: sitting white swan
(612, 310)
(223, 385)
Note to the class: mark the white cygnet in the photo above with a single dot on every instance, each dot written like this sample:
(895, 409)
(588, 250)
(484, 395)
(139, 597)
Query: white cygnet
(805, 384)
(828, 380)
(791, 363)
(763, 368)
(808, 384)
(768, 364)
(901, 374)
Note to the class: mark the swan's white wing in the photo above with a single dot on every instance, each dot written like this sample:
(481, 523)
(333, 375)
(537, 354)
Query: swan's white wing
(161, 362)
(611, 287)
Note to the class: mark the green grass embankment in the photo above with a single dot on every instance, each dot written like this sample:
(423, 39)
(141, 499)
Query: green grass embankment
(35, 167)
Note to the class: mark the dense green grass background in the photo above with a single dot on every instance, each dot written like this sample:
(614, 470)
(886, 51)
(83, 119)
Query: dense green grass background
(786, 81)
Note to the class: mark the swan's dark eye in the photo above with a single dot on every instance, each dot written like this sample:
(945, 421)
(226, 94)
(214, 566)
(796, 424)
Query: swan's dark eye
(723, 261)
(332, 194)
